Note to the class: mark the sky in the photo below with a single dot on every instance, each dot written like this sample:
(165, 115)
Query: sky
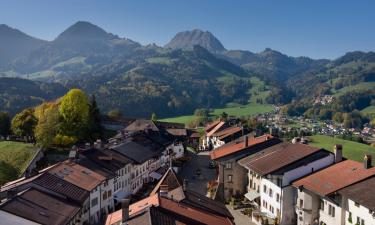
(313, 28)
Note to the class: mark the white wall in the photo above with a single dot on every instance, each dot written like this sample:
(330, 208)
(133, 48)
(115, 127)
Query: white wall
(270, 200)
(329, 219)
(95, 209)
(359, 211)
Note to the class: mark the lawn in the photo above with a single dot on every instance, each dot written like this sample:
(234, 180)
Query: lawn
(351, 150)
(369, 111)
(14, 158)
(230, 109)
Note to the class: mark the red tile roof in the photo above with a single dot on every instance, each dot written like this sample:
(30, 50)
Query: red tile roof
(211, 125)
(238, 145)
(335, 177)
(227, 132)
(215, 129)
(278, 156)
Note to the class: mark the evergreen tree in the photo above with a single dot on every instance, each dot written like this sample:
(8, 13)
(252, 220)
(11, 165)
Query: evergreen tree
(4, 124)
(94, 127)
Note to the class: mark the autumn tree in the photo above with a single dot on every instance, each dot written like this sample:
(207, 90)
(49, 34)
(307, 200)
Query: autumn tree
(48, 124)
(23, 124)
(74, 112)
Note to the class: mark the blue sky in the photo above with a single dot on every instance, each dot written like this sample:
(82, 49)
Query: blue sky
(314, 28)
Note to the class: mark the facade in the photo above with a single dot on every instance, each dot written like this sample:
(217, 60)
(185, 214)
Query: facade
(231, 175)
(276, 167)
(326, 197)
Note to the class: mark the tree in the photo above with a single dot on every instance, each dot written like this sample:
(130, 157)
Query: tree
(154, 118)
(23, 124)
(95, 128)
(48, 125)
(4, 124)
(224, 116)
(74, 111)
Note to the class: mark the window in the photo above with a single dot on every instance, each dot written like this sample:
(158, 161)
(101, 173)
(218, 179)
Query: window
(277, 197)
(105, 195)
(109, 193)
(228, 165)
(322, 205)
(94, 202)
(264, 188)
(358, 220)
(230, 178)
(333, 211)
(270, 192)
(277, 212)
(279, 182)
(301, 203)
(356, 204)
(362, 222)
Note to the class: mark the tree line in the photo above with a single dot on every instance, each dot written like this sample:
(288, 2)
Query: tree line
(70, 119)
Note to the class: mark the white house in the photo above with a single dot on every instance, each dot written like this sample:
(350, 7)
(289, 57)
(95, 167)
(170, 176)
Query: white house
(327, 196)
(276, 167)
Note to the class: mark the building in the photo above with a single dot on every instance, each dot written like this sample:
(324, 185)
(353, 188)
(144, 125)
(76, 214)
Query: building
(36, 207)
(170, 203)
(231, 175)
(319, 200)
(270, 175)
(88, 180)
(210, 129)
(226, 135)
(359, 202)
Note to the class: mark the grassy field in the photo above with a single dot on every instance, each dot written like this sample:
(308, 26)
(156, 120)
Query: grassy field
(358, 87)
(230, 109)
(351, 150)
(369, 111)
(14, 158)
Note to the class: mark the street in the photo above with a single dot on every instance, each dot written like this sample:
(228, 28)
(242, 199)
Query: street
(198, 161)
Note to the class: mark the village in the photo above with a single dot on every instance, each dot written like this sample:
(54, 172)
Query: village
(155, 172)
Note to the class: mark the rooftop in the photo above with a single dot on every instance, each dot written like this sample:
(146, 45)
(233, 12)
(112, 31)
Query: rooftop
(62, 187)
(135, 151)
(335, 177)
(215, 129)
(362, 193)
(239, 145)
(141, 124)
(41, 208)
(227, 132)
(277, 157)
(77, 175)
(211, 126)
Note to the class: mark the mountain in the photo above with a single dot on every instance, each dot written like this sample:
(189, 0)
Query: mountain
(188, 39)
(14, 44)
(17, 94)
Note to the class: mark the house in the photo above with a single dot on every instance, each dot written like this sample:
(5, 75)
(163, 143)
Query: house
(271, 173)
(359, 202)
(145, 161)
(231, 175)
(319, 200)
(210, 129)
(170, 203)
(226, 135)
(37, 207)
(88, 180)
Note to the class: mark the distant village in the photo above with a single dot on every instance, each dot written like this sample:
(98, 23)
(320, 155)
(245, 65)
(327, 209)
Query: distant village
(153, 172)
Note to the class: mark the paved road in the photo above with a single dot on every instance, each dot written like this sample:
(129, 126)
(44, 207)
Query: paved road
(198, 183)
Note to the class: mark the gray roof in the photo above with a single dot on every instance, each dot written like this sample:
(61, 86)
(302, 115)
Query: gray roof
(134, 151)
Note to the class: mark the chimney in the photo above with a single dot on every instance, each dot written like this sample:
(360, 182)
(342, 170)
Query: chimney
(246, 142)
(337, 149)
(125, 209)
(367, 162)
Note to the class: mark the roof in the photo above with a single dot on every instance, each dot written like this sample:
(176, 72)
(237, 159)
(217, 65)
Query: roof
(200, 201)
(141, 124)
(238, 145)
(77, 175)
(215, 129)
(169, 179)
(190, 212)
(335, 177)
(135, 151)
(362, 193)
(278, 156)
(41, 208)
(169, 125)
(177, 131)
(228, 132)
(211, 126)
(134, 209)
(62, 187)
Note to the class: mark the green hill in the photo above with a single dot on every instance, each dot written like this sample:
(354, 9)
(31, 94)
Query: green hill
(14, 158)
(351, 150)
